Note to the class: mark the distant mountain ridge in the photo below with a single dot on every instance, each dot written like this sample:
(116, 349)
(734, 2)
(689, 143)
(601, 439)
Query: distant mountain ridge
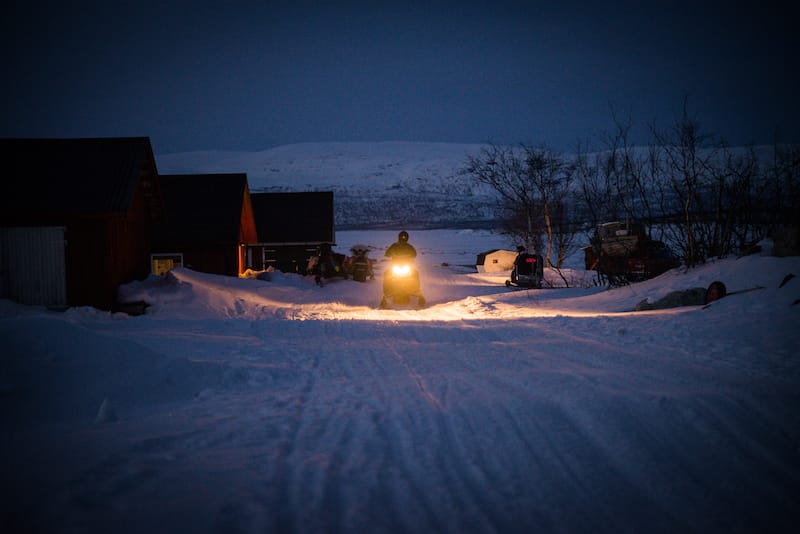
(375, 185)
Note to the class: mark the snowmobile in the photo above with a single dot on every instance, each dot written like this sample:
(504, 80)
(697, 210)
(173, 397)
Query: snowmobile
(359, 265)
(401, 283)
(528, 270)
(622, 253)
(326, 264)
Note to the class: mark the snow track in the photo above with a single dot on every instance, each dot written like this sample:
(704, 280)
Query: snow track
(253, 407)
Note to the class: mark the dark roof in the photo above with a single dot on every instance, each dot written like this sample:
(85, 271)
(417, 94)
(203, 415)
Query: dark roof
(73, 176)
(294, 217)
(201, 209)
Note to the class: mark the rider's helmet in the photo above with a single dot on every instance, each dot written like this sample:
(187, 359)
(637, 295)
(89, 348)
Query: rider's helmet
(402, 237)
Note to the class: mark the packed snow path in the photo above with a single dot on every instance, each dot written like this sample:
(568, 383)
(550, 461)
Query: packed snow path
(545, 419)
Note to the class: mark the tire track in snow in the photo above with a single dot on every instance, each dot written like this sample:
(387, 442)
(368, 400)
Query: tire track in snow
(517, 419)
(416, 378)
(459, 468)
(376, 434)
(339, 438)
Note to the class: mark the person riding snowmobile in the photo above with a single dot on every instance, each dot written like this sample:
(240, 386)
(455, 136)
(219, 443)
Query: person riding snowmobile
(401, 279)
(402, 248)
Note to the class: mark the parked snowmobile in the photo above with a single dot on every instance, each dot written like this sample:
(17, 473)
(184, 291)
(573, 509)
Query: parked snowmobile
(401, 283)
(359, 265)
(528, 270)
(326, 264)
(622, 253)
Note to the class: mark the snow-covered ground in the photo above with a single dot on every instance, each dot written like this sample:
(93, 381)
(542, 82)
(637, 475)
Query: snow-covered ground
(244, 405)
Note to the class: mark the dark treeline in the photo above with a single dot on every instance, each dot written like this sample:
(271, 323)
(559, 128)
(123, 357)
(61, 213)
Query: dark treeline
(689, 189)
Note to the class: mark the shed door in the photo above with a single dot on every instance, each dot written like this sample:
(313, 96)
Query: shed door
(33, 266)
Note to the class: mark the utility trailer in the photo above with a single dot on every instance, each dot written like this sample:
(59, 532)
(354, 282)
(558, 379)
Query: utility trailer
(621, 253)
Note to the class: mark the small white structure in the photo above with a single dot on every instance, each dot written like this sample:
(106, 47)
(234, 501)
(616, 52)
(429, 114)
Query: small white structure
(495, 261)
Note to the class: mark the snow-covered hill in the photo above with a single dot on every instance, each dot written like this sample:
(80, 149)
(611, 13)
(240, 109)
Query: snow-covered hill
(415, 185)
(381, 184)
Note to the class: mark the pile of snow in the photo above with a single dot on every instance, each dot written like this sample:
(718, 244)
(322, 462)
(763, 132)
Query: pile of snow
(256, 405)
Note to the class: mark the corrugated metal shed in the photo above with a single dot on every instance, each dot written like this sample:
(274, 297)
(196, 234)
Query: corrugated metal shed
(33, 266)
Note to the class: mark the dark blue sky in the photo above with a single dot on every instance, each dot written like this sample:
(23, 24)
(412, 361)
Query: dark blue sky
(251, 75)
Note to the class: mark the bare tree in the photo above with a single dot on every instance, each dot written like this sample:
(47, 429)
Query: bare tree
(502, 169)
(686, 169)
(616, 184)
(595, 187)
(736, 219)
(784, 216)
(785, 194)
(687, 188)
(551, 177)
(565, 228)
(533, 184)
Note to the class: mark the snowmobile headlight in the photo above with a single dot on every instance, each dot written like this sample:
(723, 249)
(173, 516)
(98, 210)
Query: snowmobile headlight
(401, 270)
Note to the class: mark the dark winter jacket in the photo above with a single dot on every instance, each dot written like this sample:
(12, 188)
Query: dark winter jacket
(401, 250)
